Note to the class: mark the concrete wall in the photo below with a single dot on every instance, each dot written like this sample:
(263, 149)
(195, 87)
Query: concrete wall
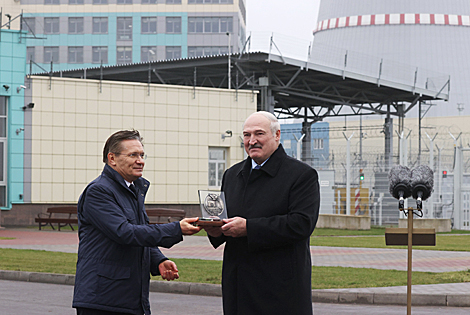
(342, 221)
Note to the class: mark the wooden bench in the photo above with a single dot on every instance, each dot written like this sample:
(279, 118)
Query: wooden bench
(164, 215)
(62, 216)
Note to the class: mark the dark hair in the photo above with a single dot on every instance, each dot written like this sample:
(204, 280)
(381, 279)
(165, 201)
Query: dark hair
(113, 144)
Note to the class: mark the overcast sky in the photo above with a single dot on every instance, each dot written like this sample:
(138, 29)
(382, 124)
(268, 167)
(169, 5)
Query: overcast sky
(296, 18)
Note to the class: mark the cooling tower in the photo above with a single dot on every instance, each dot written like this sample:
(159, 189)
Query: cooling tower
(418, 40)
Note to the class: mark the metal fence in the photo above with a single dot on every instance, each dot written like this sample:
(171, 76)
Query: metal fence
(369, 185)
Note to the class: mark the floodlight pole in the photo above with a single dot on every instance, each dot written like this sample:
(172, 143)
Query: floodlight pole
(348, 172)
(229, 62)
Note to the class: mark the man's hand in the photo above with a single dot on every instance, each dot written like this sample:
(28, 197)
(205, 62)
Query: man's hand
(234, 227)
(187, 227)
(214, 231)
(168, 270)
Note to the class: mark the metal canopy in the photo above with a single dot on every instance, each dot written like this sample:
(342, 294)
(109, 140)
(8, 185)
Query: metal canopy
(289, 87)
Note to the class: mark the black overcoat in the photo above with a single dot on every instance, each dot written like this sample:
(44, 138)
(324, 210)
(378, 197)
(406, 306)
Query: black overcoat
(269, 270)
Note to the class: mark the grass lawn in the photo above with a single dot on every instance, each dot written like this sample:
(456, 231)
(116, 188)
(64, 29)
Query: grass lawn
(206, 271)
(444, 241)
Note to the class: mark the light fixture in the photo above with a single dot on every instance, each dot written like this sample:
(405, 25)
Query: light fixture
(18, 89)
(9, 19)
(19, 130)
(30, 105)
(227, 134)
(6, 87)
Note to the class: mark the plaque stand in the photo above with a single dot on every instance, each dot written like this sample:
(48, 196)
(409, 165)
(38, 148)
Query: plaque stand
(422, 237)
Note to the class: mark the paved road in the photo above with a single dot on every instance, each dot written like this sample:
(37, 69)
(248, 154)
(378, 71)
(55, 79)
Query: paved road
(55, 299)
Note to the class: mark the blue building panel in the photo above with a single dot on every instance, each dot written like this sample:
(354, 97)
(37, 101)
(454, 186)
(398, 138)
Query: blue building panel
(109, 39)
(291, 133)
(12, 74)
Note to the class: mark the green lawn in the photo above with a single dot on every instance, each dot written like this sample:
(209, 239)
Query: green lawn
(444, 241)
(205, 271)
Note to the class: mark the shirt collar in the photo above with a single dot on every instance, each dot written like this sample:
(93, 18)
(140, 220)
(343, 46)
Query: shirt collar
(253, 163)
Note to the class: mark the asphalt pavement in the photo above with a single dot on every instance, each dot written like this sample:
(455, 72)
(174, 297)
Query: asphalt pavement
(55, 299)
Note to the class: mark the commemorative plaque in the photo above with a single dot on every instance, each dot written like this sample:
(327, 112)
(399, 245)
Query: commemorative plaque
(213, 208)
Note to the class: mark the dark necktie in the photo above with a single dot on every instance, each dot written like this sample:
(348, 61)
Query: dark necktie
(132, 187)
(257, 167)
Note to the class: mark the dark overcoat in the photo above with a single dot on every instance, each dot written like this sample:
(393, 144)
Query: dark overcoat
(269, 270)
(117, 248)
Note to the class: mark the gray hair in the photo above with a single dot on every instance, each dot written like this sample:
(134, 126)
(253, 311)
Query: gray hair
(275, 125)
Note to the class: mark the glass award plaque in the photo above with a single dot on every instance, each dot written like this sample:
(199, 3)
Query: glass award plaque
(213, 208)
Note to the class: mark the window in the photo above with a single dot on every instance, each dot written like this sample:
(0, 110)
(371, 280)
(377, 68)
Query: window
(173, 1)
(51, 1)
(124, 54)
(210, 25)
(148, 53)
(30, 52)
(29, 24)
(199, 51)
(210, 1)
(100, 1)
(100, 25)
(51, 25)
(75, 55)
(3, 151)
(100, 54)
(124, 28)
(318, 144)
(173, 52)
(51, 54)
(149, 1)
(149, 25)
(173, 25)
(217, 164)
(75, 25)
(124, 2)
(75, 1)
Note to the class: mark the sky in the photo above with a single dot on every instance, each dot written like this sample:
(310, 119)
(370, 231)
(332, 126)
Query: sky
(296, 18)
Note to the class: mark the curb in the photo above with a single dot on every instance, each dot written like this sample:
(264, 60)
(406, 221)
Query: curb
(318, 296)
(155, 286)
(336, 297)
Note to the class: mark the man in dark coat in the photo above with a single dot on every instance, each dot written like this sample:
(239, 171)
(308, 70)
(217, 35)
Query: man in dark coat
(117, 248)
(273, 203)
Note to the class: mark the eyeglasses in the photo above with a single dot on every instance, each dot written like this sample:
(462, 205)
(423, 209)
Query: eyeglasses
(134, 156)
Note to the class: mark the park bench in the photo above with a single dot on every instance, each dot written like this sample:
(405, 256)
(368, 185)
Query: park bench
(62, 216)
(164, 215)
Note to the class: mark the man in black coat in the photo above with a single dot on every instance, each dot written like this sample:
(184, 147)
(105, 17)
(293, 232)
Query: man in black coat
(273, 202)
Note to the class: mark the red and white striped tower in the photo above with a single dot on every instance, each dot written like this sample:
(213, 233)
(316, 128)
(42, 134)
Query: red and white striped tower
(428, 35)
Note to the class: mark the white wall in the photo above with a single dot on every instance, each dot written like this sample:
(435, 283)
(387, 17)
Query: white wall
(72, 120)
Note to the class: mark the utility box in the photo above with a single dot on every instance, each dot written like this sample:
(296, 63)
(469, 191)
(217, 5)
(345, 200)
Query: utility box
(326, 179)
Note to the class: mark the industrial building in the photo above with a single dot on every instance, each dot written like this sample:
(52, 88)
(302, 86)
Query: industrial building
(70, 34)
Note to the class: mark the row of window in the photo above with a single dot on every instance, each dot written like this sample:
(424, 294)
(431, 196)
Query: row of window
(124, 25)
(143, 1)
(99, 54)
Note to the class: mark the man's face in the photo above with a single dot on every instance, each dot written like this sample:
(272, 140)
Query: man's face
(128, 163)
(258, 139)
